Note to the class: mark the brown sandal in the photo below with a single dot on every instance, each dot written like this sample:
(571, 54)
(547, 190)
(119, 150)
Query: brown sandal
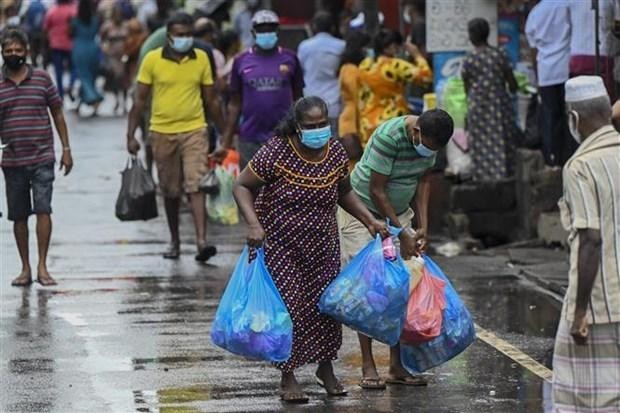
(49, 281)
(21, 283)
(372, 384)
(416, 381)
(293, 397)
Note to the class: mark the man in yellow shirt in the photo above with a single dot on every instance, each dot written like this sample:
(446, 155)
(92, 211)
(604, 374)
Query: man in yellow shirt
(179, 79)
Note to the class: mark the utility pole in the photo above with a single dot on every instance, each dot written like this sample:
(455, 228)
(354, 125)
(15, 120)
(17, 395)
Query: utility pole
(597, 50)
(371, 16)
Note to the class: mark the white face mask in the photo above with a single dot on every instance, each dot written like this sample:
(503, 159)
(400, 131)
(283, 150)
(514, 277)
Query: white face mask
(573, 122)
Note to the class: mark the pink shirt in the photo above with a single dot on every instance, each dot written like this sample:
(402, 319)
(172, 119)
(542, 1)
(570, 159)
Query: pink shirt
(56, 24)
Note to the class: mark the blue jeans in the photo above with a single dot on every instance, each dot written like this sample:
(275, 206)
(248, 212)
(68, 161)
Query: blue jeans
(60, 60)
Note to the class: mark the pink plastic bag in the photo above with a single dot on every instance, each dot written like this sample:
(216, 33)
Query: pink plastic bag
(424, 310)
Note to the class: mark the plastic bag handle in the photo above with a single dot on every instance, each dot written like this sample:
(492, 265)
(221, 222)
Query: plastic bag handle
(395, 231)
(132, 160)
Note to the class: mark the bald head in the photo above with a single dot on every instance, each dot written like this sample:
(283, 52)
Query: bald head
(204, 28)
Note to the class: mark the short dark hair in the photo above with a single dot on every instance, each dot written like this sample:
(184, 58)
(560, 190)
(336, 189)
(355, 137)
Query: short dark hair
(436, 125)
(322, 22)
(384, 38)
(180, 18)
(478, 30)
(288, 126)
(14, 35)
(226, 40)
(355, 42)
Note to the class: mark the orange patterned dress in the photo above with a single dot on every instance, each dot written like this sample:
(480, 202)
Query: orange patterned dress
(382, 89)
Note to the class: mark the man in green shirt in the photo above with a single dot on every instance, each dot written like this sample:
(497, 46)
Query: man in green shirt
(390, 181)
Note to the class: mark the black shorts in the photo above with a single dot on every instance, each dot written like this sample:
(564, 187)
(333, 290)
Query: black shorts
(29, 190)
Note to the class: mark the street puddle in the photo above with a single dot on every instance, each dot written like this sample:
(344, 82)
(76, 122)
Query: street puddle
(507, 304)
(174, 361)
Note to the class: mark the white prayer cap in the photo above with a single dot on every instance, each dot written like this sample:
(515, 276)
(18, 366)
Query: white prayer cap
(265, 17)
(582, 88)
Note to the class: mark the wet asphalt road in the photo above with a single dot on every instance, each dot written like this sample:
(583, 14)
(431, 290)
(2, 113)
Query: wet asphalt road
(127, 331)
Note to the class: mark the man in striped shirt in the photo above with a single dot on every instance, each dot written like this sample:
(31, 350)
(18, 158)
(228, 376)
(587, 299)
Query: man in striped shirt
(26, 93)
(586, 360)
(390, 180)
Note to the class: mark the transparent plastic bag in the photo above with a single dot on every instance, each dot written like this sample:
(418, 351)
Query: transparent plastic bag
(221, 207)
(252, 319)
(370, 294)
(424, 310)
(457, 331)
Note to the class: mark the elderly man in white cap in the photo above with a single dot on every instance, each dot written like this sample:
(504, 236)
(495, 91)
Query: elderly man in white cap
(264, 82)
(586, 362)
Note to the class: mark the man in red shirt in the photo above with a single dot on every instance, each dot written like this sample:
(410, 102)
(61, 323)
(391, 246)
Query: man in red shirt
(56, 26)
(26, 93)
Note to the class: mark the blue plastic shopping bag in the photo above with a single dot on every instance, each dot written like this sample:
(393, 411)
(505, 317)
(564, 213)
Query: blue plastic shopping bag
(252, 319)
(370, 294)
(457, 331)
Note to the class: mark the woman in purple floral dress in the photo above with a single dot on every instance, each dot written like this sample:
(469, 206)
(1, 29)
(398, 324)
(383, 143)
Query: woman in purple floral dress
(288, 195)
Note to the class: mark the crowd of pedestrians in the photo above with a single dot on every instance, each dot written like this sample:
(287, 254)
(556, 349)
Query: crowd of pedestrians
(330, 150)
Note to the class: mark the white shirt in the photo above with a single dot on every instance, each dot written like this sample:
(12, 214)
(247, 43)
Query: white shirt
(582, 22)
(548, 30)
(320, 59)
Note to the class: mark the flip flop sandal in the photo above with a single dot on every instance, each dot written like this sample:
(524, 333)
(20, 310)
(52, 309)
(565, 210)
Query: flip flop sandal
(409, 381)
(336, 393)
(25, 283)
(206, 253)
(372, 384)
(47, 283)
(287, 397)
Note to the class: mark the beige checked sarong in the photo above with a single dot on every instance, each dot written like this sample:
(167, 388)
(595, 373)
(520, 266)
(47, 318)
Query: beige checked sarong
(586, 379)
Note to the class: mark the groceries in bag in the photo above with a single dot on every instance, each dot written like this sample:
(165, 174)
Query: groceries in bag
(457, 331)
(221, 207)
(136, 200)
(424, 310)
(252, 319)
(370, 294)
(415, 265)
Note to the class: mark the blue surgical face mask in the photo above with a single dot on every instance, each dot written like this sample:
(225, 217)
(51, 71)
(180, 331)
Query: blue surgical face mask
(423, 150)
(182, 44)
(266, 41)
(316, 138)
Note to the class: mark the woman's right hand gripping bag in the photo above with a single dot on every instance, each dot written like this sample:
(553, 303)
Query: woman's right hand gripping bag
(457, 331)
(370, 294)
(252, 319)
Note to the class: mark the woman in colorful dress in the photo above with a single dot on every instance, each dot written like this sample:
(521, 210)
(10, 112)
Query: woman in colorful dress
(491, 122)
(302, 175)
(383, 80)
(356, 43)
(86, 54)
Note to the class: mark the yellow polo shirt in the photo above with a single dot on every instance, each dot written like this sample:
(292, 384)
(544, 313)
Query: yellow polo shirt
(176, 98)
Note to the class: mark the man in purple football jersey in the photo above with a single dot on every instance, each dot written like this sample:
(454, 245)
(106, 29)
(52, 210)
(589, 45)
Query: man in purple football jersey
(265, 81)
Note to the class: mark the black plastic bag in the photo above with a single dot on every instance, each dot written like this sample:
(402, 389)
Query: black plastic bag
(136, 199)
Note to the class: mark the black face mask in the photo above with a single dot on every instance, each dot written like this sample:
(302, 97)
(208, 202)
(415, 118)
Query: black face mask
(14, 62)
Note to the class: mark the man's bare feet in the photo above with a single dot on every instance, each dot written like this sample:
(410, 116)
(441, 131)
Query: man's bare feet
(24, 279)
(44, 278)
